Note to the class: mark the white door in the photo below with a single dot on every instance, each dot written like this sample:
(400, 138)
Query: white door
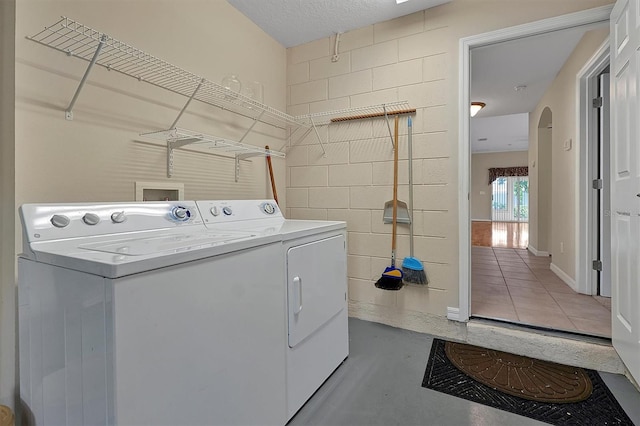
(316, 274)
(625, 182)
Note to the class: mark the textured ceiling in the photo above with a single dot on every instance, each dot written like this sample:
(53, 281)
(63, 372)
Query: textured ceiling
(295, 22)
(496, 71)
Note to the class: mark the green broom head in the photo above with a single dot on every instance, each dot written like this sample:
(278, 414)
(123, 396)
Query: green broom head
(391, 279)
(414, 271)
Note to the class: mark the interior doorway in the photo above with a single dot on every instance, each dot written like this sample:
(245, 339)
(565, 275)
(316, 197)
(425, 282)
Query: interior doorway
(486, 262)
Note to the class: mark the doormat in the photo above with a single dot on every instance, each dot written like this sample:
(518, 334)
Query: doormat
(584, 400)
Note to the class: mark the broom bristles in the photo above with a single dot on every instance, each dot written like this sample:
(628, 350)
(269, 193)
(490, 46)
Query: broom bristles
(415, 277)
(391, 279)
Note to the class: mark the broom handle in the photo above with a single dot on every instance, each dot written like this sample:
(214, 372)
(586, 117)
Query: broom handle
(273, 181)
(395, 192)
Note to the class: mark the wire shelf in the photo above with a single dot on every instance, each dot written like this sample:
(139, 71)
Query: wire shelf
(178, 138)
(81, 41)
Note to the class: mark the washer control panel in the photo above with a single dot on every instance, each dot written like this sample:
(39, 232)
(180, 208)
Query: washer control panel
(43, 222)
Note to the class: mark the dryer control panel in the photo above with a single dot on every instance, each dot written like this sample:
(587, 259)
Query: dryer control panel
(228, 211)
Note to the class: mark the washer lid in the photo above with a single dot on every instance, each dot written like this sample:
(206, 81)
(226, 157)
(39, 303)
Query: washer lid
(163, 243)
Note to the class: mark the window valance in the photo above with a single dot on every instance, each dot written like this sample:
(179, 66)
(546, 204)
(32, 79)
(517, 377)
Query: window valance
(495, 173)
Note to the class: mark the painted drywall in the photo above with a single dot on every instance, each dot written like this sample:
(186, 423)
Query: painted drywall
(413, 58)
(99, 155)
(7, 210)
(480, 188)
(561, 98)
(545, 183)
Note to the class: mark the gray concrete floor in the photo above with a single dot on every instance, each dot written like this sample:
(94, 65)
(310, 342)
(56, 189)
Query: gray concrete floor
(380, 384)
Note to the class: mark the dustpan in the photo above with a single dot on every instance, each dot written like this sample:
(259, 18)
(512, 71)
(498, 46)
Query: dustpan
(403, 212)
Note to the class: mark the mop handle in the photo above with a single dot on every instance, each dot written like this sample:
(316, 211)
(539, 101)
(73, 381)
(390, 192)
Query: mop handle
(410, 143)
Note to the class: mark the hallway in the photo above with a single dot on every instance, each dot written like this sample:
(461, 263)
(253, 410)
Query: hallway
(514, 285)
(510, 283)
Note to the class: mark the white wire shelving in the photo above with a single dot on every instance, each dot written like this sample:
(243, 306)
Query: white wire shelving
(97, 48)
(80, 41)
(179, 138)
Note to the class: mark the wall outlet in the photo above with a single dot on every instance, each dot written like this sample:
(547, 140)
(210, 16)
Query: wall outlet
(567, 145)
(561, 247)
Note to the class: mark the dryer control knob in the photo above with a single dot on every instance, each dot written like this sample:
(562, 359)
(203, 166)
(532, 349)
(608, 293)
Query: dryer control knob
(91, 219)
(227, 211)
(60, 221)
(118, 217)
(181, 213)
(214, 211)
(268, 208)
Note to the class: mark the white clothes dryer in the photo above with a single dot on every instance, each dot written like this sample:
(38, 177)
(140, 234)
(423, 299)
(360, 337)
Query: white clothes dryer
(136, 313)
(314, 264)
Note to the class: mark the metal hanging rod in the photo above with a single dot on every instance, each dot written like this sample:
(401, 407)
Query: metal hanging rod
(81, 41)
(357, 113)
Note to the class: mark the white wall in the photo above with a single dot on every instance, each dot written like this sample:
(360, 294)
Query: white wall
(480, 165)
(99, 155)
(561, 98)
(412, 58)
(7, 210)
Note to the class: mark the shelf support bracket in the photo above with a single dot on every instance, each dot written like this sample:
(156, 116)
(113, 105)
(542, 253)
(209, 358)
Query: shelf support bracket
(244, 157)
(255, 120)
(171, 145)
(386, 117)
(68, 114)
(315, 129)
(184, 108)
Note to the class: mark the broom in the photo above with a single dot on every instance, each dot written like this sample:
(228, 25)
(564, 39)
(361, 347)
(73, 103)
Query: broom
(391, 278)
(411, 267)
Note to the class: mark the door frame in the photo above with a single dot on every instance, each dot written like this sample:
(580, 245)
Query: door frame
(587, 89)
(586, 17)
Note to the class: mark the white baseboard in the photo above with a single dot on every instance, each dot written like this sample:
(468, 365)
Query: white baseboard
(453, 313)
(537, 252)
(564, 277)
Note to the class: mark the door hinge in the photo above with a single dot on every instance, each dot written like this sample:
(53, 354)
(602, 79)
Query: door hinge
(596, 184)
(597, 102)
(597, 265)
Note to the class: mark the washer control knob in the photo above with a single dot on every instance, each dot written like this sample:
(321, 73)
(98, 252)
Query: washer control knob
(214, 211)
(91, 219)
(118, 217)
(227, 211)
(60, 221)
(181, 213)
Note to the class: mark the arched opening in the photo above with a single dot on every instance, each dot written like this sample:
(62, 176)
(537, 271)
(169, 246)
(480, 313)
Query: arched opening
(544, 191)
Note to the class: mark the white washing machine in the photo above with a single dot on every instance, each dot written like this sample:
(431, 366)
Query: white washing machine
(314, 264)
(135, 313)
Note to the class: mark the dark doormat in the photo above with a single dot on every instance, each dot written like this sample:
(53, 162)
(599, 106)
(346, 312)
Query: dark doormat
(594, 406)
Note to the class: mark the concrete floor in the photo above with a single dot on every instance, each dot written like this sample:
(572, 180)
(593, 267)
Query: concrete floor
(380, 384)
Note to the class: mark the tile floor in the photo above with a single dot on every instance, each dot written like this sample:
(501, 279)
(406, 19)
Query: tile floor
(380, 384)
(514, 285)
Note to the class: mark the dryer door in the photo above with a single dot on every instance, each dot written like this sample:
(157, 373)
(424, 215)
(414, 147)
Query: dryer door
(317, 285)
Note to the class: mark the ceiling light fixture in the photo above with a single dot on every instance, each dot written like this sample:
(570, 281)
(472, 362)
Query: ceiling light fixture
(476, 106)
(401, 1)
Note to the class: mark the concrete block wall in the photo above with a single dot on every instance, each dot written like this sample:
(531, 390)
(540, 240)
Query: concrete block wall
(392, 61)
(413, 58)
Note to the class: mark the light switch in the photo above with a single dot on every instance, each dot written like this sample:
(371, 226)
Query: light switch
(482, 193)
